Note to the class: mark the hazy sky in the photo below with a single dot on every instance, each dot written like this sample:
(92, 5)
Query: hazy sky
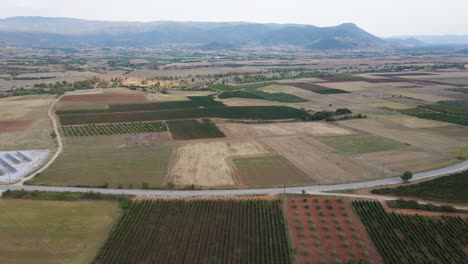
(380, 17)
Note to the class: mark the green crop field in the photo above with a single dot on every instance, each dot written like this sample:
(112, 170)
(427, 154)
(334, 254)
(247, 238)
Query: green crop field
(54, 231)
(452, 189)
(448, 111)
(192, 129)
(330, 91)
(414, 238)
(280, 97)
(270, 171)
(198, 232)
(112, 129)
(195, 102)
(97, 161)
(362, 144)
(240, 112)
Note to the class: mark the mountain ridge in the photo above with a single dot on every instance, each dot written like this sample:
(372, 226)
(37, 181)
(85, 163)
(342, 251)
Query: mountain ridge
(64, 32)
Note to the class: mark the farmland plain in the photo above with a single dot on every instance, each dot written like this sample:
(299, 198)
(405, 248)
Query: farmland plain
(54, 231)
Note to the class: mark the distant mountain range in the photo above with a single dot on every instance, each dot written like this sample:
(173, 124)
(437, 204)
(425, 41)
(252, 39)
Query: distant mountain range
(69, 32)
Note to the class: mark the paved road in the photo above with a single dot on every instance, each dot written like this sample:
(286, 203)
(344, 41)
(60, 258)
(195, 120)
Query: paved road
(238, 192)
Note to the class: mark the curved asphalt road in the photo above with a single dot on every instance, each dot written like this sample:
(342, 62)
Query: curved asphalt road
(242, 192)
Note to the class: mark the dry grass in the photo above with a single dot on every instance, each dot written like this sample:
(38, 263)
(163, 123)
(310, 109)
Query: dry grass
(206, 163)
(54, 231)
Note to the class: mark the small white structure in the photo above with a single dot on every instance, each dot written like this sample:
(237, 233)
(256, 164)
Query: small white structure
(17, 164)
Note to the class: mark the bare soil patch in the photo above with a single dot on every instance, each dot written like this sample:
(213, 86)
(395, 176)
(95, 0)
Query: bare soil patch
(326, 230)
(207, 163)
(14, 126)
(103, 97)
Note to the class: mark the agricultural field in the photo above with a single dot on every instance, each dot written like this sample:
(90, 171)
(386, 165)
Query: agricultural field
(316, 129)
(248, 112)
(326, 230)
(107, 162)
(54, 231)
(362, 144)
(317, 88)
(113, 129)
(448, 111)
(208, 163)
(198, 232)
(269, 171)
(414, 238)
(279, 97)
(194, 129)
(450, 189)
(316, 160)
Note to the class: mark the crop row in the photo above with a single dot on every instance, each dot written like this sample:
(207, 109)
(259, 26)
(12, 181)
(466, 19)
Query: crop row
(194, 102)
(280, 97)
(414, 238)
(239, 112)
(192, 129)
(198, 232)
(111, 129)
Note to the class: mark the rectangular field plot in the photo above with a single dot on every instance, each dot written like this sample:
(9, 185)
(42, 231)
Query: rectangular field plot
(362, 144)
(326, 230)
(317, 88)
(98, 161)
(111, 129)
(206, 163)
(54, 231)
(194, 102)
(198, 232)
(116, 97)
(241, 112)
(414, 238)
(279, 97)
(194, 129)
(269, 171)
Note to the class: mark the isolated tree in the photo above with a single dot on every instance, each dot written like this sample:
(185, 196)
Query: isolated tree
(407, 176)
(170, 185)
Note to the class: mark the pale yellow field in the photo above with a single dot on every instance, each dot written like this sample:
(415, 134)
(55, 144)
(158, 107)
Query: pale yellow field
(35, 137)
(320, 162)
(319, 129)
(207, 163)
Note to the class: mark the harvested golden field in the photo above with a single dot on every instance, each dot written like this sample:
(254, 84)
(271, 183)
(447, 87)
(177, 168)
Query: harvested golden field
(207, 163)
(319, 161)
(396, 162)
(319, 129)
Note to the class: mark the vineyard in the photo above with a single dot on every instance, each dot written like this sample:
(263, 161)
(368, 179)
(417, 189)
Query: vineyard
(450, 189)
(414, 238)
(198, 232)
(112, 129)
(239, 112)
(449, 111)
(192, 129)
(195, 102)
(280, 97)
